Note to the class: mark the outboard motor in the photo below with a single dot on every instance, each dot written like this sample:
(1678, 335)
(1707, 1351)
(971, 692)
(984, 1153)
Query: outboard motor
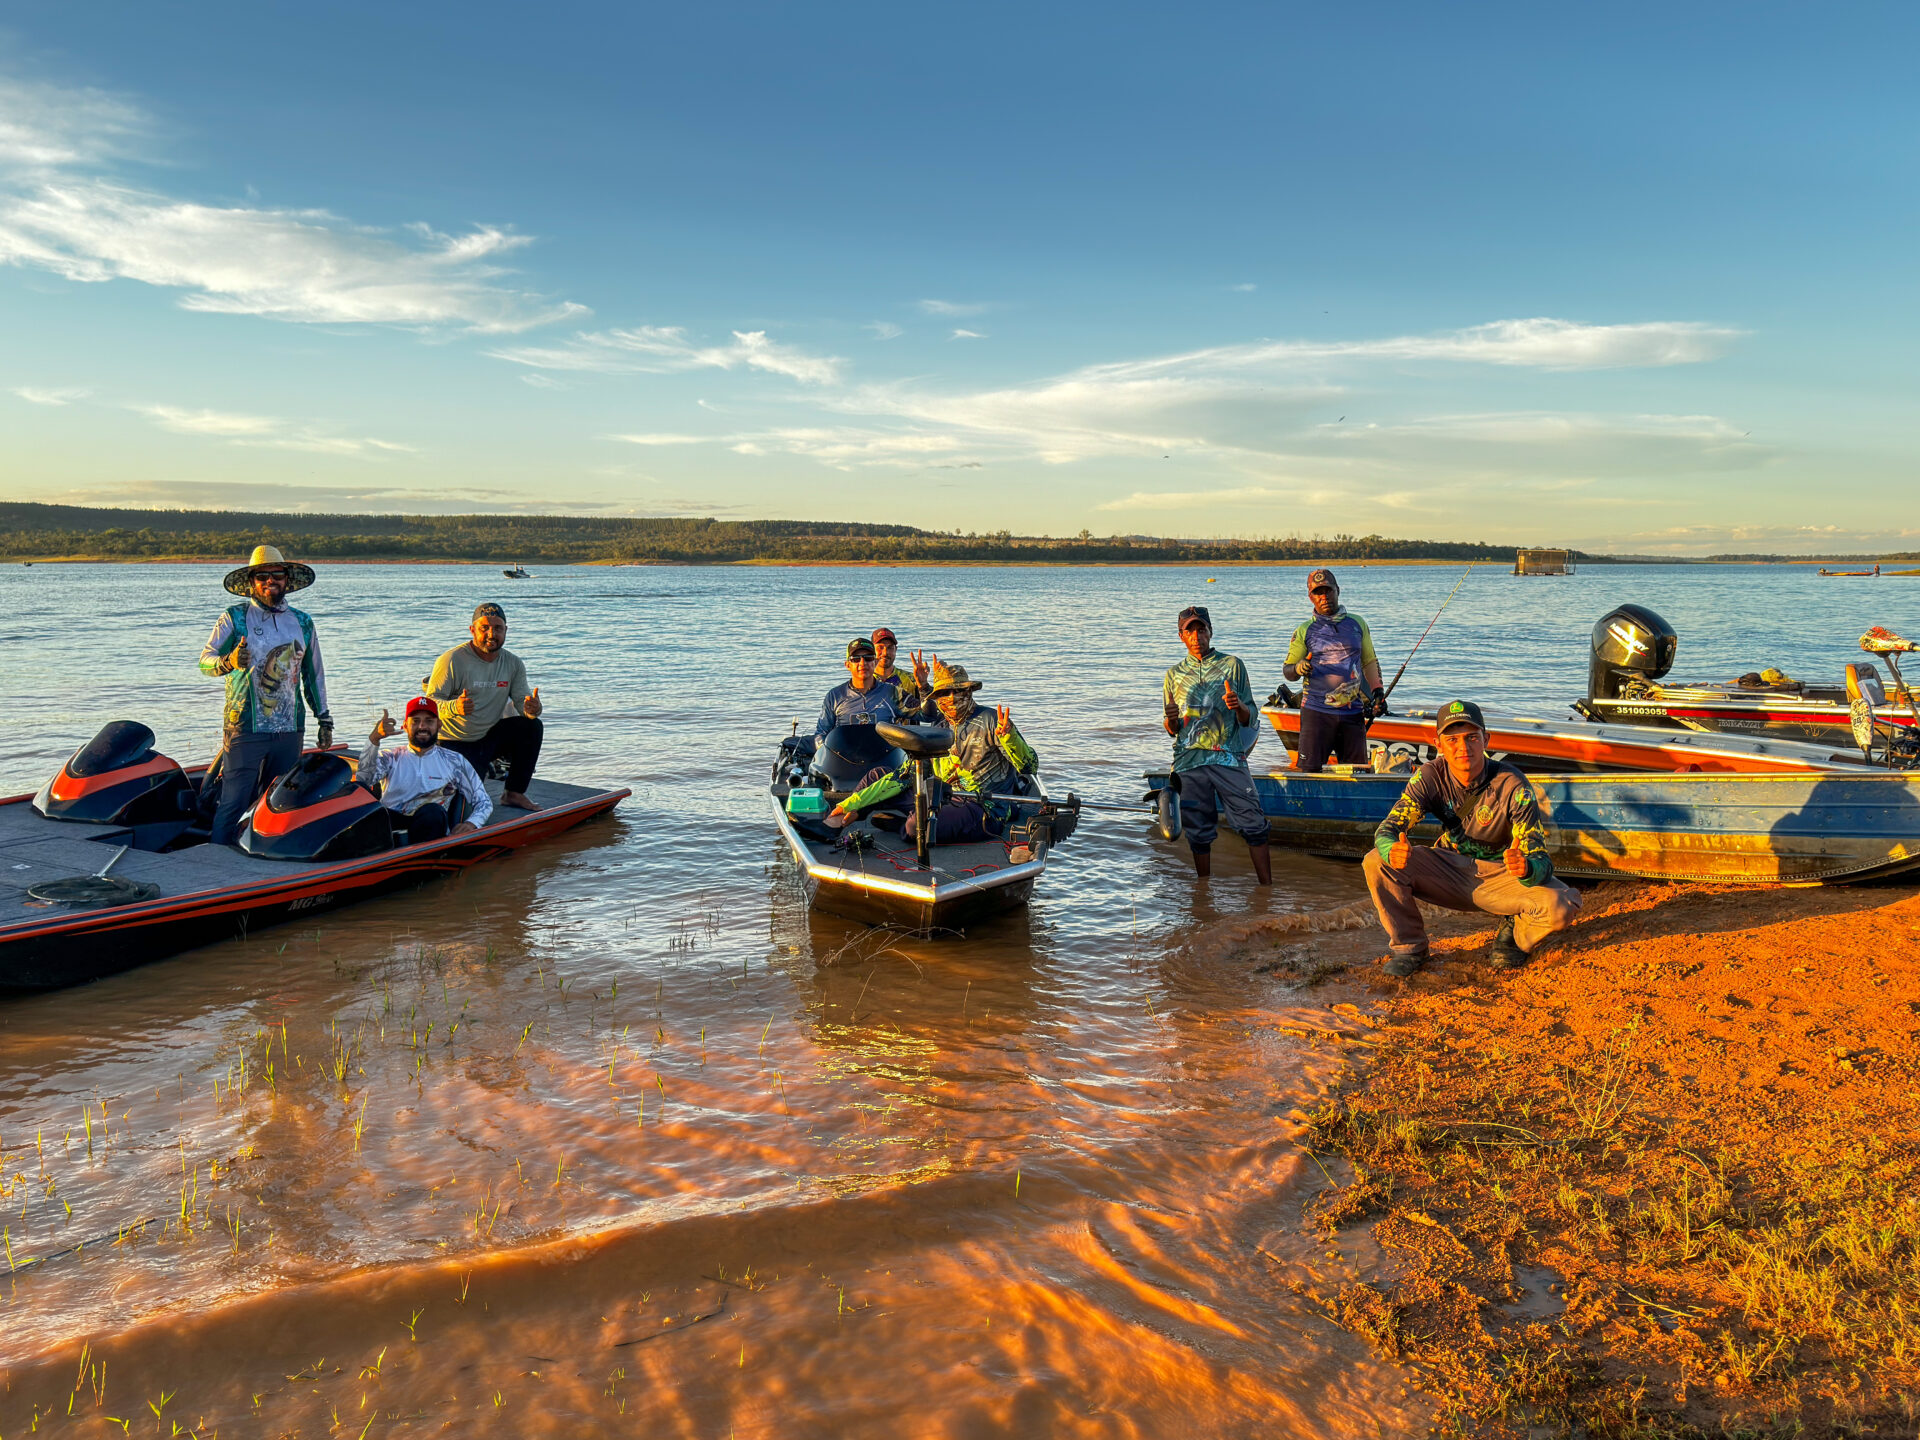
(1630, 643)
(848, 753)
(317, 811)
(118, 778)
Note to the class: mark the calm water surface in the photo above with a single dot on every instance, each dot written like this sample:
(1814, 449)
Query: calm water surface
(615, 1135)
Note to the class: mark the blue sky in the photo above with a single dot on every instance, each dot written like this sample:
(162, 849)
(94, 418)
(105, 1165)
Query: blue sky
(1639, 279)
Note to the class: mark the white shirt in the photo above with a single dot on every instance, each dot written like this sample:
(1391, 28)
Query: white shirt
(413, 778)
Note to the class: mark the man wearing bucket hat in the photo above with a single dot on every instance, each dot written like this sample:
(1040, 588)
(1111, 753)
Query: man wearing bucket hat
(989, 757)
(270, 657)
(861, 699)
(487, 712)
(1208, 714)
(1491, 856)
(1332, 652)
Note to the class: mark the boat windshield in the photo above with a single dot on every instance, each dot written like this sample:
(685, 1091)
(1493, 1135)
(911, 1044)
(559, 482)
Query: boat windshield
(119, 744)
(315, 779)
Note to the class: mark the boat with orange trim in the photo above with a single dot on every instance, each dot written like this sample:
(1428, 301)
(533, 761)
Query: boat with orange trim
(108, 866)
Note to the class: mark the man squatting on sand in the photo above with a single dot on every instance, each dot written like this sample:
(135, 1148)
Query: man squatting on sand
(1206, 708)
(476, 683)
(1492, 854)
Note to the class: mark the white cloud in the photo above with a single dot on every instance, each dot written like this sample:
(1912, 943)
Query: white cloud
(58, 214)
(664, 439)
(885, 330)
(38, 395)
(1548, 428)
(1196, 499)
(663, 349)
(1246, 289)
(951, 308)
(967, 335)
(543, 382)
(264, 432)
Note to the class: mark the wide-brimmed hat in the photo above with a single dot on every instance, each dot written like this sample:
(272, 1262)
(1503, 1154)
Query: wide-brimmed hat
(944, 679)
(240, 582)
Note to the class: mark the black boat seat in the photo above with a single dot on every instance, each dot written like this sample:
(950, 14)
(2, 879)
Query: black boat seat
(1863, 683)
(928, 742)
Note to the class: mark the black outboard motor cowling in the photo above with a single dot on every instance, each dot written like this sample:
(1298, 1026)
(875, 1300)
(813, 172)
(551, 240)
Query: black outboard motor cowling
(849, 752)
(1630, 642)
(317, 811)
(118, 778)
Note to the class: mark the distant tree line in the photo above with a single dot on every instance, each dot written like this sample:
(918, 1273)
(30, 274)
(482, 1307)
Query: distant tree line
(30, 531)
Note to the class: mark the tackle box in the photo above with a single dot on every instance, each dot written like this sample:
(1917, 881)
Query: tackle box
(807, 800)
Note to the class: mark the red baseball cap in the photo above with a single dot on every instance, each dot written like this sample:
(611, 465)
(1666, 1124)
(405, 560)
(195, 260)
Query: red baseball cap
(884, 634)
(421, 704)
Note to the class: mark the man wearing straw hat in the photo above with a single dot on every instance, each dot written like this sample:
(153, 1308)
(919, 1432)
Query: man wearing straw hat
(270, 658)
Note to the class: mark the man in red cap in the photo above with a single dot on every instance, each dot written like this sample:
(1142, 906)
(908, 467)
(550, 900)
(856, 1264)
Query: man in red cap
(912, 696)
(423, 783)
(1333, 654)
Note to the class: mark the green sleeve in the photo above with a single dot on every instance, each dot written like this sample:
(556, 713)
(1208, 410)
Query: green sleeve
(221, 643)
(1530, 836)
(1406, 813)
(1014, 746)
(1167, 697)
(1367, 657)
(885, 788)
(1297, 651)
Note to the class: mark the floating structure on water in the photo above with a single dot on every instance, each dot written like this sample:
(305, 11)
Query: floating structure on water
(108, 866)
(1543, 562)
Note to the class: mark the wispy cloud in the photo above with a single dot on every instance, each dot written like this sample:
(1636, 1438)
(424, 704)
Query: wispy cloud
(952, 308)
(885, 330)
(1246, 289)
(265, 432)
(968, 335)
(62, 211)
(39, 395)
(663, 349)
(664, 439)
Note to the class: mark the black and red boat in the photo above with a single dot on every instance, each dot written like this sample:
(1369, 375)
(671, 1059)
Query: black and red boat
(108, 866)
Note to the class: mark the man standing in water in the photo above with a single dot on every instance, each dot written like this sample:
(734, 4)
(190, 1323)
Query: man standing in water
(1492, 854)
(270, 657)
(1333, 654)
(477, 682)
(1206, 706)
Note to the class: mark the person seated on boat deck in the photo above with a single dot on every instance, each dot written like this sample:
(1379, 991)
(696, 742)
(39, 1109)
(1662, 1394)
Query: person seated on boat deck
(477, 684)
(989, 756)
(1492, 854)
(424, 783)
(1206, 712)
(911, 695)
(861, 699)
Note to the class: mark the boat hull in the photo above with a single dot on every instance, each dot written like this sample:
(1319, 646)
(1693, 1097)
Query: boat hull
(1821, 722)
(59, 948)
(888, 888)
(1722, 829)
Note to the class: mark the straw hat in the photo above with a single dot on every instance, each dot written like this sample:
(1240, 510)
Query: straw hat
(240, 582)
(945, 677)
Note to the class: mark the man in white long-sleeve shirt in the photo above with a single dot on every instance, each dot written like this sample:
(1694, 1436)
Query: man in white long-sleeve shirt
(422, 782)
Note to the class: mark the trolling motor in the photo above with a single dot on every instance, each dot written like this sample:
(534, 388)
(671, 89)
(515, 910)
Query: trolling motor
(922, 745)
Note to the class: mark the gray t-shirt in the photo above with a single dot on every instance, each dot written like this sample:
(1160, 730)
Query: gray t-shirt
(494, 688)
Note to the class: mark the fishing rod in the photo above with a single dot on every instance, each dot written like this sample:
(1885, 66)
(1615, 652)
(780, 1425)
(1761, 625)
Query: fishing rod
(1164, 807)
(1429, 630)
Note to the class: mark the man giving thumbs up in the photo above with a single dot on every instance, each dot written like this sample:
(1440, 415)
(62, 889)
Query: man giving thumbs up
(488, 710)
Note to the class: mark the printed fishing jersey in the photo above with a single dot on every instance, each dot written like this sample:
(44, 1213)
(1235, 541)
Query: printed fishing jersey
(980, 762)
(1209, 733)
(283, 661)
(845, 705)
(909, 699)
(435, 776)
(1341, 646)
(1480, 823)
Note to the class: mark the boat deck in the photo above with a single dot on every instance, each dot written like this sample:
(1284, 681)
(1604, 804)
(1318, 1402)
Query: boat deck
(34, 849)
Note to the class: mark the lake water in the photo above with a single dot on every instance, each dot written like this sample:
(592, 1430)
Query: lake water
(614, 1135)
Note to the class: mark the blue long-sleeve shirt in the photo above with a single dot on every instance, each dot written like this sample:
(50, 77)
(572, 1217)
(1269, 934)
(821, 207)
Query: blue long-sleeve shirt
(845, 705)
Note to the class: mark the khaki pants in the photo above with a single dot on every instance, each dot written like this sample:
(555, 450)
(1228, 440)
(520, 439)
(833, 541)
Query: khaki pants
(1443, 877)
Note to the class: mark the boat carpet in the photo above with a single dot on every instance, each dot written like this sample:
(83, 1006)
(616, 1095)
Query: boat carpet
(893, 855)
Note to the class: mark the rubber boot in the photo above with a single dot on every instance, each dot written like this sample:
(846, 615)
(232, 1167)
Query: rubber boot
(1262, 859)
(1203, 863)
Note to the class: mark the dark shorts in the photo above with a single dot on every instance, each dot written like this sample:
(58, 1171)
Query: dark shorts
(1341, 737)
(514, 738)
(1210, 794)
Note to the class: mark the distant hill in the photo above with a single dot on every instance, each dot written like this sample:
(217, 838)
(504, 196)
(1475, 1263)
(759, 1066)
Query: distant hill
(36, 532)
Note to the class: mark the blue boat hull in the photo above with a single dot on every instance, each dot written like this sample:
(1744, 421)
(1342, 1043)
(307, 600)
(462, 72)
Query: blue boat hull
(1724, 829)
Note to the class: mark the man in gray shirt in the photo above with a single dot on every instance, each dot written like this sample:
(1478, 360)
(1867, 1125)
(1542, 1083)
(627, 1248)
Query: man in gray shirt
(487, 711)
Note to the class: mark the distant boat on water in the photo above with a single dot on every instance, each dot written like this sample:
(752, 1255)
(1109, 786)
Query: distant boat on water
(1855, 573)
(518, 572)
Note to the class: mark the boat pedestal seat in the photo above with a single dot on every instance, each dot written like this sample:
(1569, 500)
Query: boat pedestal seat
(920, 742)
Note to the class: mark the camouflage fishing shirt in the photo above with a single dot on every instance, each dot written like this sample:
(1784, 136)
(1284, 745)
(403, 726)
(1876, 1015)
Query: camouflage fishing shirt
(1480, 822)
(980, 762)
(283, 661)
